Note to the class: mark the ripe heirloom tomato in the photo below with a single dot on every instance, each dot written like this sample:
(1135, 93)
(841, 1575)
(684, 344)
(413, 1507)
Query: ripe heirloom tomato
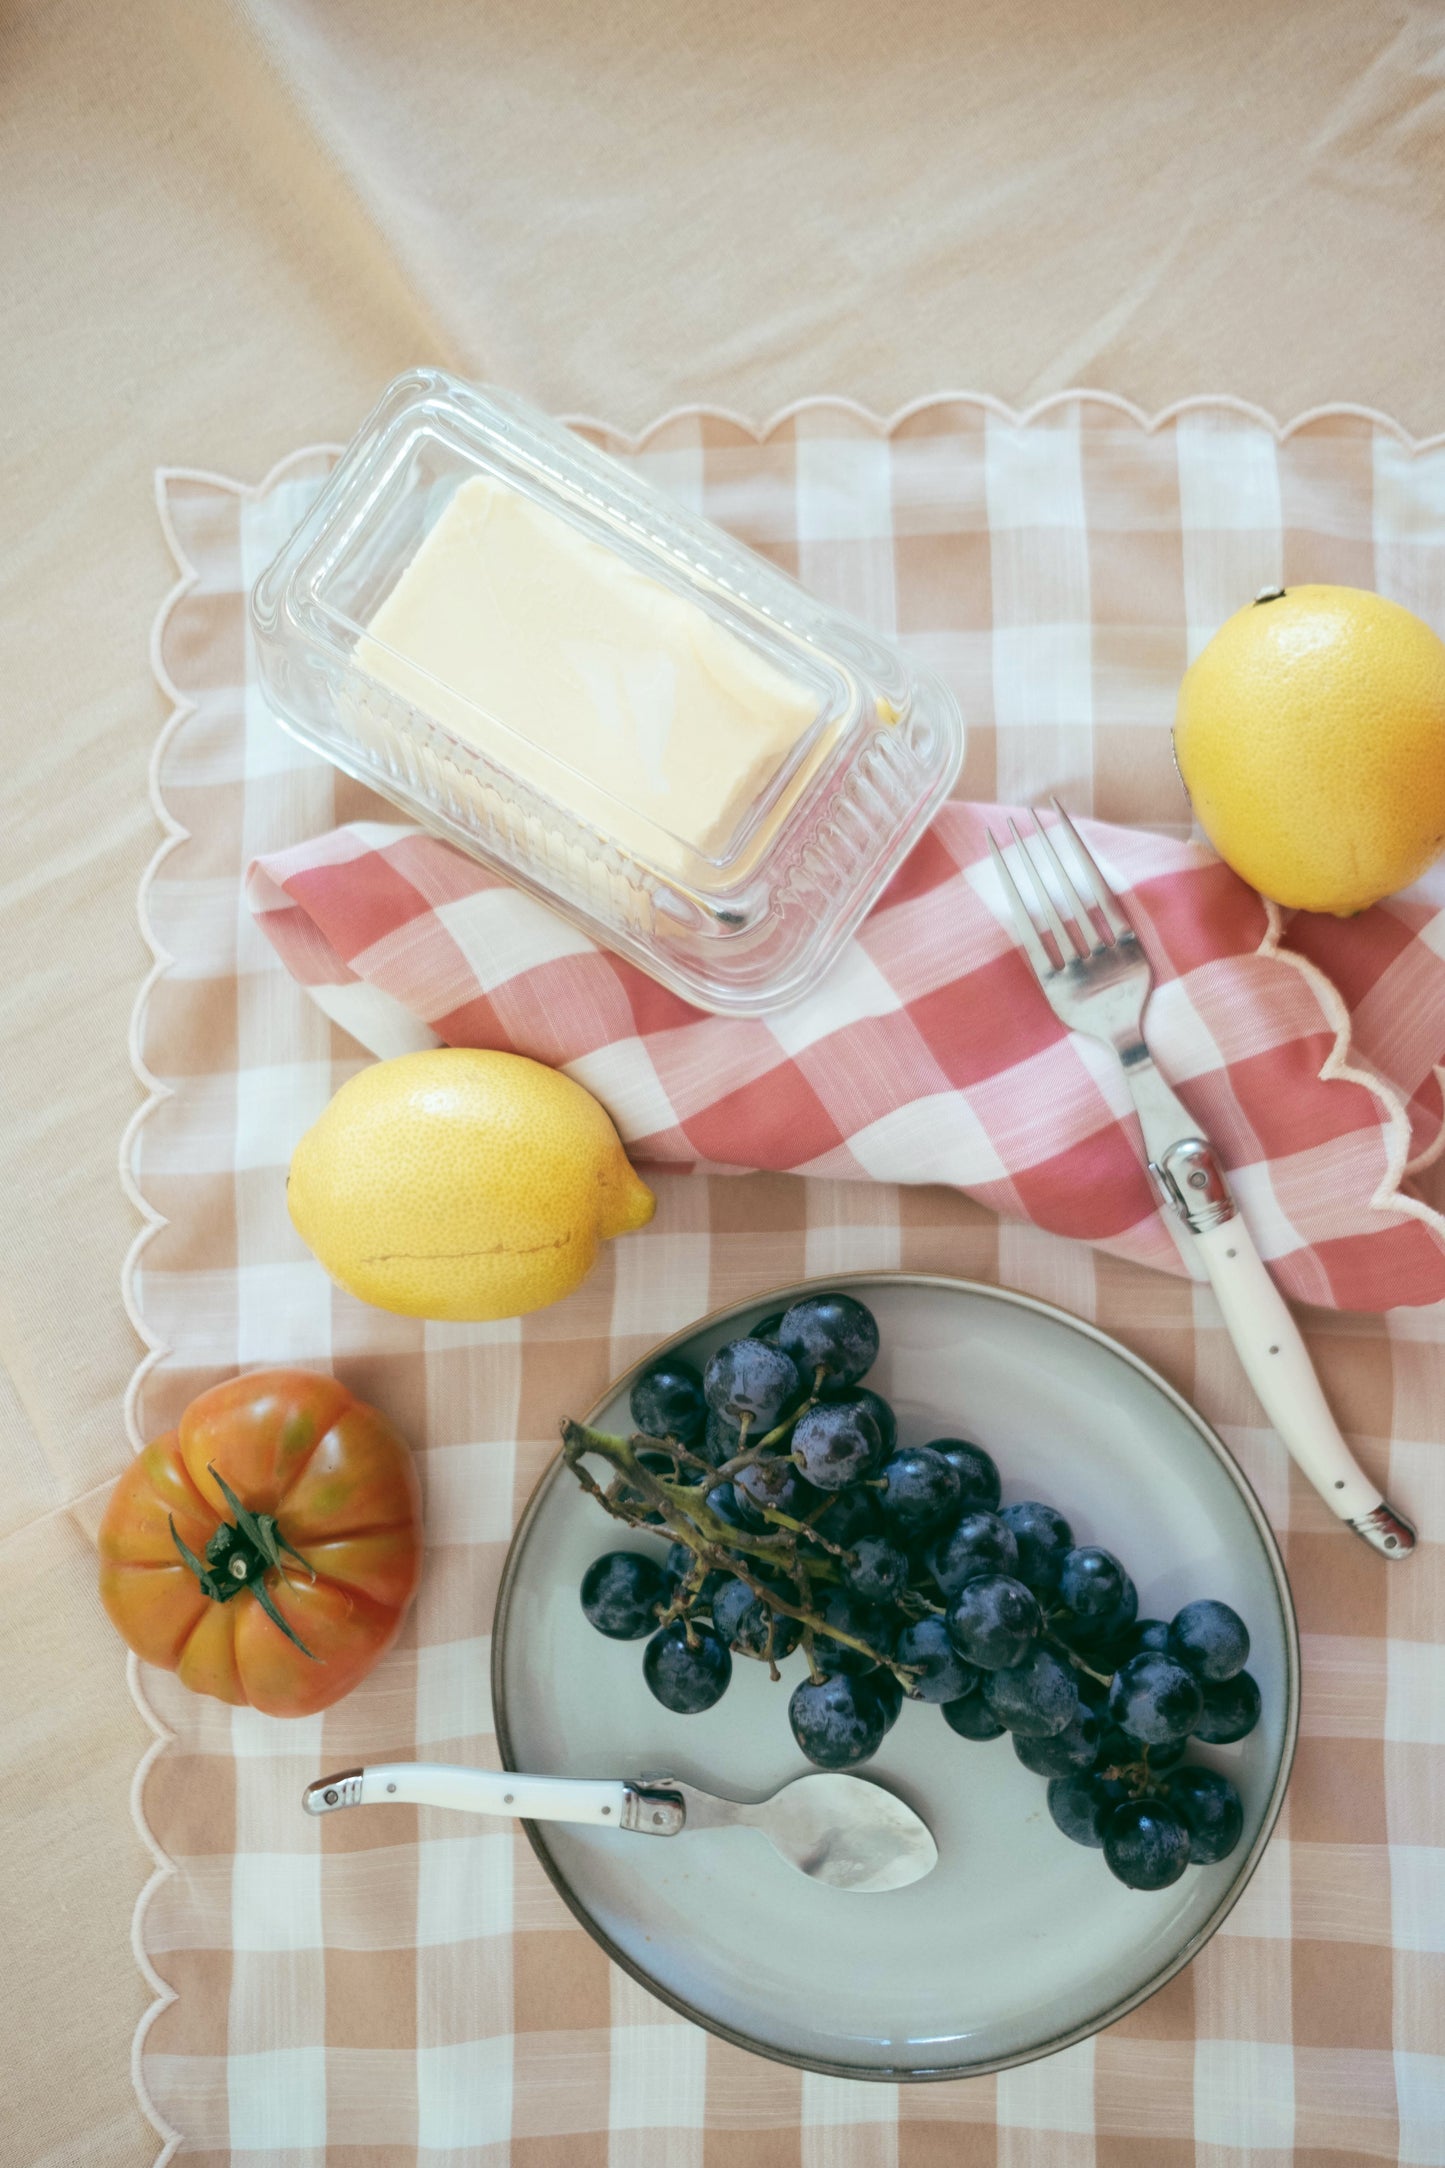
(268, 1548)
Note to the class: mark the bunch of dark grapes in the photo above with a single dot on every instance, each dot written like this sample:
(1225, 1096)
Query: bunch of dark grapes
(798, 1521)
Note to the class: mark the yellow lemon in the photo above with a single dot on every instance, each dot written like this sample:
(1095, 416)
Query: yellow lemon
(1311, 739)
(462, 1184)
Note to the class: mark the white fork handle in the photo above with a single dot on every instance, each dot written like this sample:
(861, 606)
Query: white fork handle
(1277, 1362)
(471, 1791)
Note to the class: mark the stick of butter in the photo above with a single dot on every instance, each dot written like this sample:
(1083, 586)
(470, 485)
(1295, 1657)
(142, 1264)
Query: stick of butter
(609, 692)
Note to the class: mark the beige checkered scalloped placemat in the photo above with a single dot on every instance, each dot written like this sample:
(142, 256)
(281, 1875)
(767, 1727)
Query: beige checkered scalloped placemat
(353, 1995)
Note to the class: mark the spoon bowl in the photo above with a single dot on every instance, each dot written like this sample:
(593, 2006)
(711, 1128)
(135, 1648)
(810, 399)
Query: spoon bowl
(835, 1828)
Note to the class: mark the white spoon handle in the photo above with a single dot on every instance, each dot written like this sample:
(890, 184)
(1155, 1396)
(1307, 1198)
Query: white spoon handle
(472, 1791)
(1277, 1362)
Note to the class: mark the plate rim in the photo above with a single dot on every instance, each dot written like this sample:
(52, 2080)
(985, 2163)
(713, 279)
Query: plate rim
(794, 1291)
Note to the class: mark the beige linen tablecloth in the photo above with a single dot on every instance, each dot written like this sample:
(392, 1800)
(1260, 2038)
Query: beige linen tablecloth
(225, 227)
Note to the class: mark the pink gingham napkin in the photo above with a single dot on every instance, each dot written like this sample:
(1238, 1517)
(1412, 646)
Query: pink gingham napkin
(1306, 1048)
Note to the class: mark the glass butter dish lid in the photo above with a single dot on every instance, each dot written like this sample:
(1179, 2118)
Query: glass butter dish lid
(549, 662)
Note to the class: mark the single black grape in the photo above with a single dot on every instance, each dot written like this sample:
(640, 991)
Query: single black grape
(977, 1544)
(678, 1565)
(766, 1329)
(1090, 1583)
(1230, 1712)
(748, 1379)
(848, 1515)
(834, 1445)
(667, 1401)
(749, 1516)
(1079, 1803)
(993, 1621)
(773, 1484)
(888, 1689)
(972, 1718)
(862, 1396)
(719, 1441)
(1210, 1809)
(1036, 1697)
(1075, 1747)
(920, 1490)
(1155, 1699)
(622, 1592)
(730, 1605)
(786, 1634)
(942, 1674)
(876, 1570)
(687, 1677)
(1151, 1634)
(1102, 1639)
(1042, 1537)
(1211, 1639)
(837, 1722)
(1146, 1845)
(832, 1339)
(745, 1621)
(978, 1477)
(723, 1500)
(862, 1621)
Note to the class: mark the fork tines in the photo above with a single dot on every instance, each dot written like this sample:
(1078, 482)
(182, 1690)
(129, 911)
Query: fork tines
(1075, 931)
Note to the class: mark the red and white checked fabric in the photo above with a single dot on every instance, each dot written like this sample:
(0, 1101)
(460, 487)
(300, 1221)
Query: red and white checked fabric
(407, 1989)
(929, 1055)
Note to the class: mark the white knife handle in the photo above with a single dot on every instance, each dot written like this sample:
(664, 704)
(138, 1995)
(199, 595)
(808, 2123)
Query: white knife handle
(472, 1791)
(1277, 1362)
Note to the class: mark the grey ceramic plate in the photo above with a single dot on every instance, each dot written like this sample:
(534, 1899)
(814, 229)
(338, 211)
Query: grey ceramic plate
(1019, 1942)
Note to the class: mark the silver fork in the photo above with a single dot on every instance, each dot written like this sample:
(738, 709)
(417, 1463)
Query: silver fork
(1098, 982)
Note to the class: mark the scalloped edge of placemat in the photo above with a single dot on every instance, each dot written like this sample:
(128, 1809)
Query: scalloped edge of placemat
(174, 833)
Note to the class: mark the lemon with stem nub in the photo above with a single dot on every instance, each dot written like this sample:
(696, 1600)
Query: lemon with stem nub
(462, 1184)
(1311, 738)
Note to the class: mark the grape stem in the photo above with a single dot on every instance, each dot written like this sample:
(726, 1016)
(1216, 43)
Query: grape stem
(747, 1454)
(1137, 1777)
(716, 1545)
(1104, 1678)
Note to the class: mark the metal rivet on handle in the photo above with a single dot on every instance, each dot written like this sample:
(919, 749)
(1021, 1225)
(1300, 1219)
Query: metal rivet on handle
(391, 1787)
(607, 1810)
(330, 1798)
(508, 1798)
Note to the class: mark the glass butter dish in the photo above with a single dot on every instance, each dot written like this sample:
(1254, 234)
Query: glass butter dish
(544, 659)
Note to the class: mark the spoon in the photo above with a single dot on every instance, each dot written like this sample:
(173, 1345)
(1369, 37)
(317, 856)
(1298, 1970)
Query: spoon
(842, 1830)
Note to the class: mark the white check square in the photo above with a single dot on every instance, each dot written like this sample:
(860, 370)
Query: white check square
(277, 2100)
(464, 1888)
(855, 988)
(1244, 2095)
(453, 1690)
(464, 2094)
(659, 2077)
(276, 1901)
(502, 933)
